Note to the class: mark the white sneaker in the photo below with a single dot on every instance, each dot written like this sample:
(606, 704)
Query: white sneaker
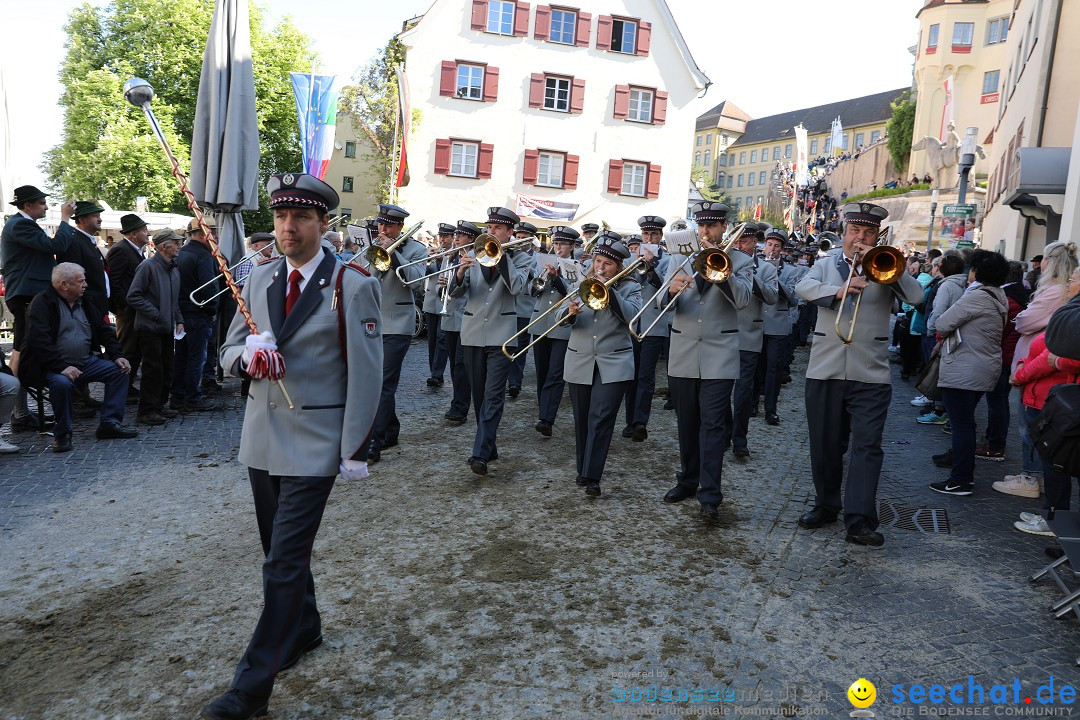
(921, 401)
(1029, 517)
(6, 447)
(1021, 485)
(1037, 526)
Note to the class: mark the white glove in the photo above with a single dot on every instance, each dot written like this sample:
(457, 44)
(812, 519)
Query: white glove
(262, 341)
(352, 470)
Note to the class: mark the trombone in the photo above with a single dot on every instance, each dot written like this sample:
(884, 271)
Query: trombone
(713, 264)
(487, 250)
(423, 260)
(596, 294)
(379, 257)
(882, 264)
(217, 278)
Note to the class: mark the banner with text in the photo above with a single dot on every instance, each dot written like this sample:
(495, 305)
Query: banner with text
(545, 209)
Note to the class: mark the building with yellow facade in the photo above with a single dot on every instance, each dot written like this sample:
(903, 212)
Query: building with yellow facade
(351, 170)
(714, 133)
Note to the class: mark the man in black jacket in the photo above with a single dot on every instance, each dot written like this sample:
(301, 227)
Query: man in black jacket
(121, 261)
(60, 333)
(197, 268)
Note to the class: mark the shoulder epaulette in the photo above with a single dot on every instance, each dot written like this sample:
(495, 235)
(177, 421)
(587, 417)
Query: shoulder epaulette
(270, 259)
(357, 268)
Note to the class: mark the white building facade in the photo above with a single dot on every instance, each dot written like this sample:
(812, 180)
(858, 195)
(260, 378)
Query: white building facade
(578, 105)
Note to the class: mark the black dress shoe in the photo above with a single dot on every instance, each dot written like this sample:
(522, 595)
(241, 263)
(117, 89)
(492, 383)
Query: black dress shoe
(478, 466)
(679, 493)
(211, 384)
(236, 705)
(544, 428)
(434, 382)
(818, 517)
(640, 434)
(710, 511)
(61, 443)
(772, 418)
(592, 488)
(83, 413)
(109, 431)
(741, 452)
(669, 405)
(457, 419)
(390, 443)
(302, 649)
(494, 456)
(90, 402)
(860, 534)
(374, 455)
(514, 391)
(28, 422)
(785, 380)
(581, 482)
(628, 431)
(754, 411)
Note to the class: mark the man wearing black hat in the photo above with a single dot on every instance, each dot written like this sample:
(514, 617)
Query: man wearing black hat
(524, 303)
(83, 251)
(490, 318)
(28, 255)
(848, 386)
(703, 363)
(600, 363)
(549, 353)
(322, 317)
(398, 321)
(433, 304)
(588, 232)
(121, 262)
(776, 325)
(464, 237)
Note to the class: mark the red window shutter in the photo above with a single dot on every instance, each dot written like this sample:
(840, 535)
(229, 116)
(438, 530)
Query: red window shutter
(644, 37)
(442, 157)
(652, 184)
(570, 171)
(584, 29)
(542, 26)
(577, 96)
(484, 161)
(659, 113)
(491, 84)
(479, 14)
(614, 176)
(448, 79)
(603, 33)
(532, 167)
(521, 19)
(536, 90)
(622, 102)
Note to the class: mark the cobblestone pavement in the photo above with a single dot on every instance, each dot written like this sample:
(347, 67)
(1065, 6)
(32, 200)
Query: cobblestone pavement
(634, 592)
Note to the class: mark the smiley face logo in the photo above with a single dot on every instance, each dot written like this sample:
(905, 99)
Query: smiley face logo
(862, 693)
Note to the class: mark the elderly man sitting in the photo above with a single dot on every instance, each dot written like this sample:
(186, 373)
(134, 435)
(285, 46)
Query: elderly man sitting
(56, 353)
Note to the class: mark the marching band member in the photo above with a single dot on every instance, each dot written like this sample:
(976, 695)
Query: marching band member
(703, 363)
(464, 237)
(549, 353)
(654, 344)
(588, 232)
(848, 386)
(525, 303)
(433, 301)
(751, 319)
(398, 323)
(489, 318)
(600, 361)
(777, 324)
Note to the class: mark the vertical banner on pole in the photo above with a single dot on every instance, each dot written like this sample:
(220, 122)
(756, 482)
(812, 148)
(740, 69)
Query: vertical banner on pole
(947, 110)
(405, 108)
(802, 166)
(316, 107)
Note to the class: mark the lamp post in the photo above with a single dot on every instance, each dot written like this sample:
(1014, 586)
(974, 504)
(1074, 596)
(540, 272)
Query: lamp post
(967, 161)
(933, 211)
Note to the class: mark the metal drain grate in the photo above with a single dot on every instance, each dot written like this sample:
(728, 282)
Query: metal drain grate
(924, 520)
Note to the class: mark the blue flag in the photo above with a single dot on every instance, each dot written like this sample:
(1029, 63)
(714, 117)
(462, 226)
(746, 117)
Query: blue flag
(316, 107)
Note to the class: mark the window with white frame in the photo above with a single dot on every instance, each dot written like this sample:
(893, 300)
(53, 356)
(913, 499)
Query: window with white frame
(730, 180)
(470, 82)
(751, 180)
(624, 36)
(740, 180)
(761, 178)
(550, 169)
(932, 37)
(753, 156)
(633, 179)
(697, 158)
(557, 94)
(875, 136)
(963, 33)
(723, 159)
(858, 139)
(990, 81)
(828, 143)
(997, 30)
(776, 153)
(742, 158)
(708, 158)
(708, 139)
(500, 17)
(346, 184)
(787, 150)
(563, 26)
(641, 105)
(463, 159)
(350, 149)
(813, 146)
(699, 141)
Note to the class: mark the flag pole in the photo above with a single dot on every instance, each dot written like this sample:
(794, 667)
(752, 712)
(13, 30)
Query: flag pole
(392, 190)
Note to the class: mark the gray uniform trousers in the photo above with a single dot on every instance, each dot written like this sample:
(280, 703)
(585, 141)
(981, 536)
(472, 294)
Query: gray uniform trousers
(596, 407)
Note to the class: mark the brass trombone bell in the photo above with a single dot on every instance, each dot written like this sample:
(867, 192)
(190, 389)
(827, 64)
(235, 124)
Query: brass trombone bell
(882, 264)
(379, 257)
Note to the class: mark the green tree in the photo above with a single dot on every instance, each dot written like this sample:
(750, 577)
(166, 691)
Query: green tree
(702, 179)
(900, 128)
(107, 150)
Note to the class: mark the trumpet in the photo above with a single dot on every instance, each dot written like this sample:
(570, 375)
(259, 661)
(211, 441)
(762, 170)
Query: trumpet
(882, 264)
(217, 278)
(379, 257)
(596, 294)
(713, 264)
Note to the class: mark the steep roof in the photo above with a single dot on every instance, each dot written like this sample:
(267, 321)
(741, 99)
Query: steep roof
(853, 113)
(726, 109)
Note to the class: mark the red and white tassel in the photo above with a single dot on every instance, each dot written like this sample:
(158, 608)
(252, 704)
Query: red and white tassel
(266, 365)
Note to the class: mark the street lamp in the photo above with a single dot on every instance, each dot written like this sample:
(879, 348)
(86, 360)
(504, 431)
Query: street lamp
(967, 161)
(933, 211)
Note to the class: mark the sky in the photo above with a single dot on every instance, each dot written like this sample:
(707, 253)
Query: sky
(766, 56)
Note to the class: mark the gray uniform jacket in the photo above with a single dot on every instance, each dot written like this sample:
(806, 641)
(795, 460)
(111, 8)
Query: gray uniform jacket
(777, 316)
(979, 318)
(866, 359)
(752, 317)
(335, 400)
(949, 291)
(432, 302)
(490, 316)
(705, 327)
(524, 302)
(398, 305)
(600, 339)
(552, 293)
(649, 290)
(154, 295)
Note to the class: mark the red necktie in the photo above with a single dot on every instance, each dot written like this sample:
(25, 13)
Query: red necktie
(294, 291)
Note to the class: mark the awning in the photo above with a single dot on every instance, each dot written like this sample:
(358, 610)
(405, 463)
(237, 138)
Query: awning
(1036, 187)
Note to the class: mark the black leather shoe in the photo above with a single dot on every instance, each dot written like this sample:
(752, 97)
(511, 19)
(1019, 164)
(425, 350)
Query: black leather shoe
(236, 705)
(514, 391)
(818, 517)
(390, 443)
(434, 382)
(772, 418)
(28, 422)
(741, 452)
(83, 413)
(592, 488)
(581, 482)
(494, 456)
(200, 405)
(374, 455)
(640, 434)
(90, 402)
(211, 384)
(754, 411)
(544, 428)
(302, 649)
(61, 443)
(109, 431)
(860, 534)
(785, 380)
(679, 493)
(669, 405)
(478, 466)
(628, 431)
(456, 419)
(710, 511)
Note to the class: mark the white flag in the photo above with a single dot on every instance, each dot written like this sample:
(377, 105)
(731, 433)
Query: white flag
(837, 135)
(802, 170)
(947, 111)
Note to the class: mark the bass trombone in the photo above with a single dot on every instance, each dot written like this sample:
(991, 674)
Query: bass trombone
(882, 264)
(379, 257)
(487, 250)
(217, 278)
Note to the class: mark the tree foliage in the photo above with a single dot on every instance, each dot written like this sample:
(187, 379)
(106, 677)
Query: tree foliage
(107, 150)
(899, 129)
(702, 179)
